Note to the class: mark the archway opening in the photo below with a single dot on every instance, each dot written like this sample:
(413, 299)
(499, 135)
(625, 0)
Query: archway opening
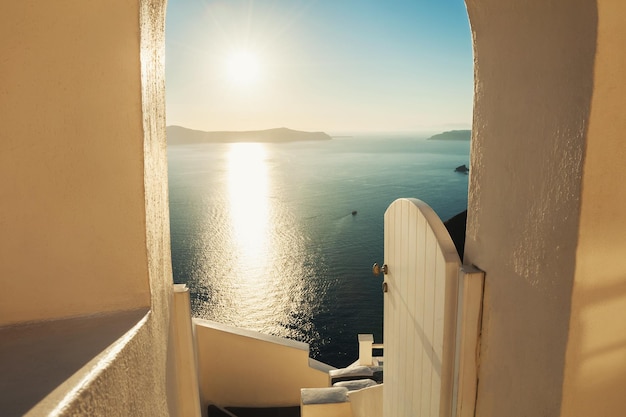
(277, 234)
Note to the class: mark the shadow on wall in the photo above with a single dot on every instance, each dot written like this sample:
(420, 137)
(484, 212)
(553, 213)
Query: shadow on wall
(40, 356)
(597, 362)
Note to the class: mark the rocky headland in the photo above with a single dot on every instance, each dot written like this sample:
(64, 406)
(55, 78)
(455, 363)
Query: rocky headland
(178, 135)
(453, 135)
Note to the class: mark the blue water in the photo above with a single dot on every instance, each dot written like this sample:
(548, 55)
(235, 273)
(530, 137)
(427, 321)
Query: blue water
(265, 238)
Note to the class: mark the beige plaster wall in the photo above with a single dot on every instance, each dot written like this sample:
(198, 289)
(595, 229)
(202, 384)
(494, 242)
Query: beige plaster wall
(367, 402)
(239, 367)
(595, 372)
(534, 75)
(72, 209)
(84, 193)
(327, 410)
(140, 380)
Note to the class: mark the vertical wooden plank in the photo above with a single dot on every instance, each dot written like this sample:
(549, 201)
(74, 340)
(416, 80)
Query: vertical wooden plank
(403, 319)
(449, 340)
(392, 297)
(420, 312)
(429, 319)
(438, 331)
(399, 315)
(389, 353)
(386, 335)
(388, 318)
(469, 323)
(418, 326)
(411, 298)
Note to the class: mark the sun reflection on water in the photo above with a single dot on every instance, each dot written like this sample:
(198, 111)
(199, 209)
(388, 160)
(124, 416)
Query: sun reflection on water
(256, 272)
(249, 205)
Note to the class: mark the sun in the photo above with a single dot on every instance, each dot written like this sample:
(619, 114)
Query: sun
(242, 68)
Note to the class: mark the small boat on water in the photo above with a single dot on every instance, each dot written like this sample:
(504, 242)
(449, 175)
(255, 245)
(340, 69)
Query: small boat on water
(354, 212)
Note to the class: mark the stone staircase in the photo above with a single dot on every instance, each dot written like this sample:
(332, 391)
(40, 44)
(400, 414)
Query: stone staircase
(343, 380)
(331, 401)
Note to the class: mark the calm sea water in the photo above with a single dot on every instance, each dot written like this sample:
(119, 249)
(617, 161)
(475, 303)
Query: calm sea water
(265, 238)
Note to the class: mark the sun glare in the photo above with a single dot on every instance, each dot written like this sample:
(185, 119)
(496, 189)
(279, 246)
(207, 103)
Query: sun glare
(242, 68)
(248, 189)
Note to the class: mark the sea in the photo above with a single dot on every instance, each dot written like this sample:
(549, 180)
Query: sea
(280, 238)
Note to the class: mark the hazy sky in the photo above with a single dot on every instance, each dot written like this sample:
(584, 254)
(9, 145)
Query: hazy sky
(330, 65)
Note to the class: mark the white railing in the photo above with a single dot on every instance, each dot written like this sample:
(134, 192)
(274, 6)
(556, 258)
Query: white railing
(325, 402)
(366, 345)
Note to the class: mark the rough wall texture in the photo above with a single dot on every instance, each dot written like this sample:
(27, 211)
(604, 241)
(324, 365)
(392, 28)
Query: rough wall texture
(595, 373)
(534, 68)
(83, 203)
(139, 381)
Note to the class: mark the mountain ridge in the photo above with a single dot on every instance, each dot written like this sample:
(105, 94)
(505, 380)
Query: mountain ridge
(179, 135)
(465, 134)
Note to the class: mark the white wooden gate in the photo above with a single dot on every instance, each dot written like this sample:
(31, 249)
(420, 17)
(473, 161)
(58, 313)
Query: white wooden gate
(420, 312)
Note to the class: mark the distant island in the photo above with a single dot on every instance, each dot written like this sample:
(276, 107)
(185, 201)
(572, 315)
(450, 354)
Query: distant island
(178, 135)
(453, 135)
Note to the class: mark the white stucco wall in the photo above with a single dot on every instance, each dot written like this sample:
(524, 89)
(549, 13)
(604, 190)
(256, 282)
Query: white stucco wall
(83, 201)
(534, 79)
(546, 214)
(72, 210)
(242, 368)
